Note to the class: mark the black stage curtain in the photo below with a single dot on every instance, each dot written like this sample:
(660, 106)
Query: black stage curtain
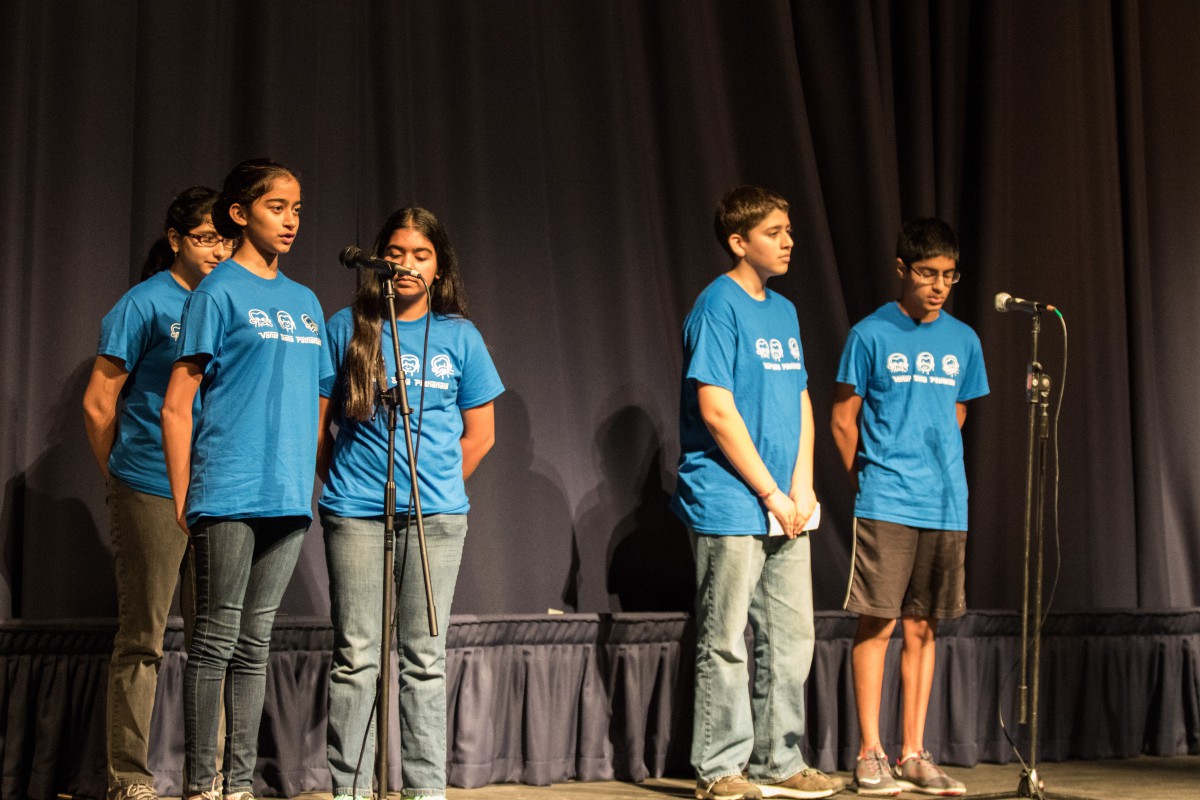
(543, 699)
(575, 151)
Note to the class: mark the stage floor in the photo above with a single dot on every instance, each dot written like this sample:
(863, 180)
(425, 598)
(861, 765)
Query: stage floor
(1146, 778)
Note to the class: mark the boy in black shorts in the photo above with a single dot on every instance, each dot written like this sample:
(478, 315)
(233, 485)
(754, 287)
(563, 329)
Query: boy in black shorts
(905, 377)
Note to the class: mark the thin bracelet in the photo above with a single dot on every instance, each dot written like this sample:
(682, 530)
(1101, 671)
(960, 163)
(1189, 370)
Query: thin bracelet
(768, 493)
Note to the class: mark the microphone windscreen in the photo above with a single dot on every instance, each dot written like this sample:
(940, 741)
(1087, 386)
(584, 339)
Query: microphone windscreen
(350, 255)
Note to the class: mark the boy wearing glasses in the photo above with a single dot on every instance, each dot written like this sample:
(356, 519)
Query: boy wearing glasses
(905, 377)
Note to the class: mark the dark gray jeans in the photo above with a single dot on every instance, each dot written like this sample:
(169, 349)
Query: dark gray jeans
(149, 551)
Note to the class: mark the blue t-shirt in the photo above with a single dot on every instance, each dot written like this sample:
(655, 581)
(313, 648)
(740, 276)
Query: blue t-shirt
(141, 331)
(458, 374)
(910, 454)
(255, 443)
(752, 348)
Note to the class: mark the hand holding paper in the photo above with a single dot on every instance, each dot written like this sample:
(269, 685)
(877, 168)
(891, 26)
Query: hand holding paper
(777, 530)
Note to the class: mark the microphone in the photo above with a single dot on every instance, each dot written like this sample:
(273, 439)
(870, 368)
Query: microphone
(357, 258)
(1006, 302)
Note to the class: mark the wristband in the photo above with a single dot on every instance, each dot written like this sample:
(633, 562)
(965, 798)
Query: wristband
(768, 492)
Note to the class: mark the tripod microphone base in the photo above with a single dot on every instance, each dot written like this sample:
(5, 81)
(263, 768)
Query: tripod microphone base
(1030, 785)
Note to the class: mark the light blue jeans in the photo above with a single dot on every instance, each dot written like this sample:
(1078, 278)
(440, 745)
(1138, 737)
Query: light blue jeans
(767, 581)
(354, 554)
(242, 569)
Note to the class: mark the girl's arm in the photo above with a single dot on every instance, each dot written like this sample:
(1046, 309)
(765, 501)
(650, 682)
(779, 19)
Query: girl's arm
(177, 431)
(324, 440)
(100, 407)
(479, 434)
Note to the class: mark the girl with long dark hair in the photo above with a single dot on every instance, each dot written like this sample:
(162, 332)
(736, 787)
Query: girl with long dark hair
(122, 412)
(451, 384)
(242, 471)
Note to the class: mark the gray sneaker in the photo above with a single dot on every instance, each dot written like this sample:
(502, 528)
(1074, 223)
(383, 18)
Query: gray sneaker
(729, 787)
(918, 773)
(873, 777)
(806, 784)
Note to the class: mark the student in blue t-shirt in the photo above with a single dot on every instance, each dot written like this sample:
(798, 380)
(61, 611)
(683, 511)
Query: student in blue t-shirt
(746, 466)
(905, 377)
(241, 471)
(122, 412)
(451, 387)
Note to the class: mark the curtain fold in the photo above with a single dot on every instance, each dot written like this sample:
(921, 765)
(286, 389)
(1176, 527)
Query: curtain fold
(575, 152)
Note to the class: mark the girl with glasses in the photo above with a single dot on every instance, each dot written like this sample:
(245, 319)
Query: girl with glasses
(122, 412)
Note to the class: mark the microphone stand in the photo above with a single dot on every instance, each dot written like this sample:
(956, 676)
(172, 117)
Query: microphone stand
(396, 400)
(1037, 395)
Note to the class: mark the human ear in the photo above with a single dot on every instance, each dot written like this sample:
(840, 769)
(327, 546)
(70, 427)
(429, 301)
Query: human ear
(173, 239)
(238, 214)
(737, 244)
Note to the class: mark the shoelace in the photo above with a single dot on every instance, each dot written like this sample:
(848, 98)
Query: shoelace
(877, 764)
(213, 793)
(139, 791)
(924, 757)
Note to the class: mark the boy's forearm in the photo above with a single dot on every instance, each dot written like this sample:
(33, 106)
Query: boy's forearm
(802, 475)
(846, 441)
(729, 431)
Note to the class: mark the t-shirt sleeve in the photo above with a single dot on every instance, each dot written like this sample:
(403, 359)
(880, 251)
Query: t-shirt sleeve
(202, 328)
(710, 337)
(480, 382)
(855, 366)
(975, 383)
(124, 333)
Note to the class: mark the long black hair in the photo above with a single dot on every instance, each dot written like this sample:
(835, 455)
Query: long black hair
(363, 365)
(187, 211)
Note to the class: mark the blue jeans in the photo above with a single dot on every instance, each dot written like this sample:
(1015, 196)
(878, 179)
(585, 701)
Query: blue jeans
(768, 581)
(148, 550)
(242, 569)
(354, 554)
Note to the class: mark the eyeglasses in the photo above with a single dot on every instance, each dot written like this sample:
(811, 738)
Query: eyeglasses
(211, 240)
(929, 275)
